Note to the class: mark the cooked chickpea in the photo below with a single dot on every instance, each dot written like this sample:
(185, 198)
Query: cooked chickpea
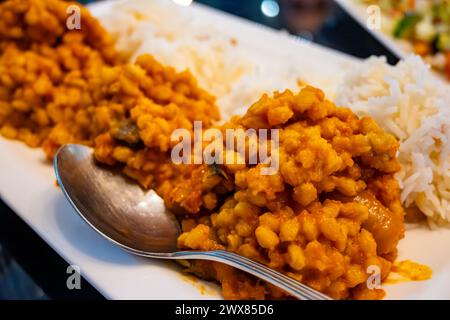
(305, 193)
(289, 229)
(296, 257)
(266, 237)
(270, 221)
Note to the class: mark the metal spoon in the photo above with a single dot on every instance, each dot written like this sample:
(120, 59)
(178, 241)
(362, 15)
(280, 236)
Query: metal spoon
(138, 221)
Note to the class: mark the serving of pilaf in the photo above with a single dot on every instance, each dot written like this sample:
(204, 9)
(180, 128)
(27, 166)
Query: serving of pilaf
(332, 210)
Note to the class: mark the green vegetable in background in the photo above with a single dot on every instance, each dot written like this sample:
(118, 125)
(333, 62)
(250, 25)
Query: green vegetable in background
(405, 26)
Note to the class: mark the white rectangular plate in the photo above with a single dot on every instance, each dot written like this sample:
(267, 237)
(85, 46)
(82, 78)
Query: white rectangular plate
(27, 185)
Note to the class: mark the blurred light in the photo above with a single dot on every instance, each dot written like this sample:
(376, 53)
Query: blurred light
(270, 8)
(183, 2)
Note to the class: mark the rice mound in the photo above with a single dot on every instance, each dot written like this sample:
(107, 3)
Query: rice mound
(410, 102)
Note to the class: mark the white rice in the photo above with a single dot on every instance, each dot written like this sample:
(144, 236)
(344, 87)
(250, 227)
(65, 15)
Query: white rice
(220, 62)
(410, 102)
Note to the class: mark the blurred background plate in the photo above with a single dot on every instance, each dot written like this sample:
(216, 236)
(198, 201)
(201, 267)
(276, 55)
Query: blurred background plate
(360, 13)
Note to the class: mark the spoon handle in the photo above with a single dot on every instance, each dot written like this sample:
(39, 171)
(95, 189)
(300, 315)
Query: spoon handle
(288, 284)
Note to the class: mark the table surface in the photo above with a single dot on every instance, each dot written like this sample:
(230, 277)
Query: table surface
(30, 269)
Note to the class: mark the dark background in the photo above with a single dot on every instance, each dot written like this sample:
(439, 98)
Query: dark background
(30, 269)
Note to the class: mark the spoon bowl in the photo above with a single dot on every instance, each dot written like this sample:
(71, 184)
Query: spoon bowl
(113, 204)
